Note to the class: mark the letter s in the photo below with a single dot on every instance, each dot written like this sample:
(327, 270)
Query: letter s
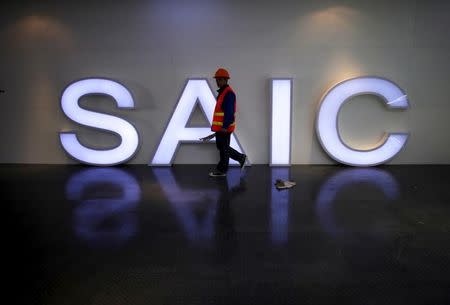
(127, 133)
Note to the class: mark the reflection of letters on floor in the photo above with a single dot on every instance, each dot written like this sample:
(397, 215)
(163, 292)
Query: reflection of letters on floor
(184, 202)
(107, 199)
(279, 207)
(382, 180)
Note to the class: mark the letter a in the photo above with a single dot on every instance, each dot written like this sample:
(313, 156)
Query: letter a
(195, 91)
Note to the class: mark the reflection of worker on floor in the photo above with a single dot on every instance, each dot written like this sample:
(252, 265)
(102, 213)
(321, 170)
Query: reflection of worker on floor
(224, 124)
(225, 232)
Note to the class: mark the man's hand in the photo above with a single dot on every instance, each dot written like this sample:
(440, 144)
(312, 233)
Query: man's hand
(223, 130)
(207, 138)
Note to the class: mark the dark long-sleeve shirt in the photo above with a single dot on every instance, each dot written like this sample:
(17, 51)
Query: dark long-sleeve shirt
(229, 101)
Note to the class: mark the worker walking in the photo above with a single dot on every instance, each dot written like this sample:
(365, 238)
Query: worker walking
(223, 124)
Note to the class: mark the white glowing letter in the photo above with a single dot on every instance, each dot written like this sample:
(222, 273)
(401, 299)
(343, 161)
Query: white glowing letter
(196, 90)
(327, 121)
(126, 131)
(280, 151)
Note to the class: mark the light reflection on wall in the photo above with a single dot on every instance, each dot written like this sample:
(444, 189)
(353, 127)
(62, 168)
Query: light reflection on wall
(40, 31)
(99, 219)
(333, 28)
(333, 18)
(344, 179)
(39, 46)
(279, 207)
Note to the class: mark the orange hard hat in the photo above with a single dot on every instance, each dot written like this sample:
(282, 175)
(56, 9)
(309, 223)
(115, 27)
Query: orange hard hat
(221, 72)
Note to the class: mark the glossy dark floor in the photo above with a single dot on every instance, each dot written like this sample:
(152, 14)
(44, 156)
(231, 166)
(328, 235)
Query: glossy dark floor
(142, 235)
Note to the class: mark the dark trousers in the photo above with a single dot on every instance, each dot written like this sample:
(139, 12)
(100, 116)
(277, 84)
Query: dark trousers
(226, 152)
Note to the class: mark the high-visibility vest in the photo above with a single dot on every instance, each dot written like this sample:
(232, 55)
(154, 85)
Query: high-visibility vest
(219, 114)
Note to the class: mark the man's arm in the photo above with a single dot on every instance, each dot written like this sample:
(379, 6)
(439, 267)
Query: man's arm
(228, 103)
(207, 138)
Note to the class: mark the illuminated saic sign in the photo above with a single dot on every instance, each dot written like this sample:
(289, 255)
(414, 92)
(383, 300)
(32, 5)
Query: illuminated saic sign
(197, 91)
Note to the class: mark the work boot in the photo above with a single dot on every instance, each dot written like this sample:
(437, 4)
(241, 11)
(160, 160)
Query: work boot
(217, 173)
(243, 162)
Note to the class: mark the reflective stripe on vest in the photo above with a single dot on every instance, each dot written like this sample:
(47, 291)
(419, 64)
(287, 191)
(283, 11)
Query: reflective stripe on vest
(219, 114)
(221, 124)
